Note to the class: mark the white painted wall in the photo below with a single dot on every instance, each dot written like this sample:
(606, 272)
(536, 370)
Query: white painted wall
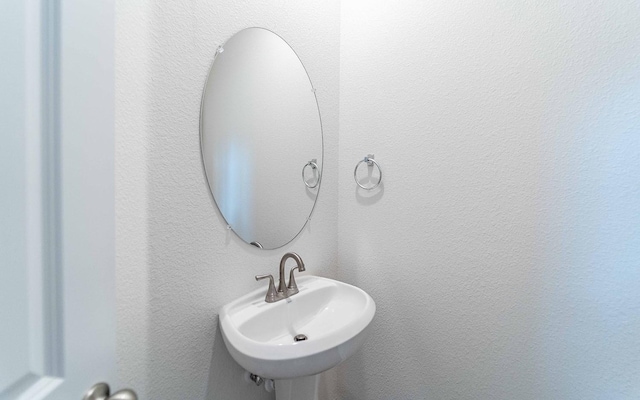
(176, 262)
(503, 251)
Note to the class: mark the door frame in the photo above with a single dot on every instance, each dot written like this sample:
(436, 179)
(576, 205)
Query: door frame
(71, 174)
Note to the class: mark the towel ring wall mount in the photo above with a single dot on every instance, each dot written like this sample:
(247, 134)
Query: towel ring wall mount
(369, 159)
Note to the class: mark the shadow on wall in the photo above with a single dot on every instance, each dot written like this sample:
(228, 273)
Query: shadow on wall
(224, 370)
(367, 198)
(593, 297)
(356, 373)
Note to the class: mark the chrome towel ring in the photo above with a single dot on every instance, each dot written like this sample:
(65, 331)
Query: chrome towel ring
(370, 161)
(314, 165)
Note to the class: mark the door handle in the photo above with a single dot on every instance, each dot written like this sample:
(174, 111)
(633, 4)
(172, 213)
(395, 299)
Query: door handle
(101, 391)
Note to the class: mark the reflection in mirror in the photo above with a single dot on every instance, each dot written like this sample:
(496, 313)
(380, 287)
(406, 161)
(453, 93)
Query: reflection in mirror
(261, 138)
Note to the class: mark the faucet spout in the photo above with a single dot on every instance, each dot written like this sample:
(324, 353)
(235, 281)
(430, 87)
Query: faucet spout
(282, 285)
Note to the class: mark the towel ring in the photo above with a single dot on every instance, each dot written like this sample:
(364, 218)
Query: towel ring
(370, 161)
(313, 164)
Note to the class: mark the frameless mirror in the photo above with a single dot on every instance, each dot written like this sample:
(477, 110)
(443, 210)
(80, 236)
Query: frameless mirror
(261, 138)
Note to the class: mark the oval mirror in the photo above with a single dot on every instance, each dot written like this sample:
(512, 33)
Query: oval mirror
(261, 138)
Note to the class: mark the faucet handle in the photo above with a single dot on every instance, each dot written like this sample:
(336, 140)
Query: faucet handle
(292, 288)
(272, 295)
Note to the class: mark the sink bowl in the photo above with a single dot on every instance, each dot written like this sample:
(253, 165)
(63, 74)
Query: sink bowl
(333, 316)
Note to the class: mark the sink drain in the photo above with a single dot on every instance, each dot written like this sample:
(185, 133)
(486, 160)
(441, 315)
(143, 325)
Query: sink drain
(299, 338)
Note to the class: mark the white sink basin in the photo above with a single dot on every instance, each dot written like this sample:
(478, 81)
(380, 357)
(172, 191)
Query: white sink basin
(333, 315)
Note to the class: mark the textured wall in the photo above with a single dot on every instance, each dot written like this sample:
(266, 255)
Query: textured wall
(503, 251)
(176, 262)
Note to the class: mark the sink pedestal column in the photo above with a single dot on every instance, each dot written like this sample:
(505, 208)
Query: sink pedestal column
(304, 388)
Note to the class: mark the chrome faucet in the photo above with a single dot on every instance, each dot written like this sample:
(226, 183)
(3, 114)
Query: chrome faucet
(291, 289)
(284, 291)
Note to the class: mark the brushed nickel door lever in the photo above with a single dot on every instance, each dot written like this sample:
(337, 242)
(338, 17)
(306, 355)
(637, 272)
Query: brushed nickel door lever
(101, 391)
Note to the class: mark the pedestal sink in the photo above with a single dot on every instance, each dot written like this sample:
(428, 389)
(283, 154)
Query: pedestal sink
(329, 318)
